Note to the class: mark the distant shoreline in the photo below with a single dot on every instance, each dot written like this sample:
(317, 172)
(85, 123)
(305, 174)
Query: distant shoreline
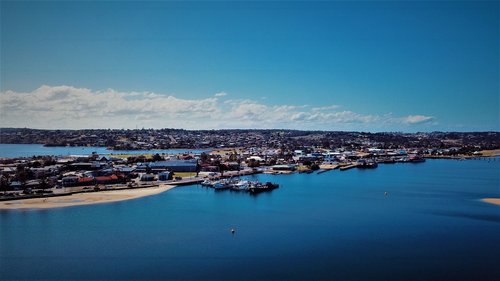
(88, 198)
(24, 150)
(149, 152)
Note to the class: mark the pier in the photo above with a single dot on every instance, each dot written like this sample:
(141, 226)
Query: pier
(349, 166)
(327, 168)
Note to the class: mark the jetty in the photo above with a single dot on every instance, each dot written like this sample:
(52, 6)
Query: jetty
(327, 168)
(186, 181)
(349, 166)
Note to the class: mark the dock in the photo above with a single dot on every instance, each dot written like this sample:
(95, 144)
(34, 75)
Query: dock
(327, 168)
(347, 167)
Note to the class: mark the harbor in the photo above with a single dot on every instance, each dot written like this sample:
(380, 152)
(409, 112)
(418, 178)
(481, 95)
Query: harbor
(337, 216)
(46, 177)
(249, 140)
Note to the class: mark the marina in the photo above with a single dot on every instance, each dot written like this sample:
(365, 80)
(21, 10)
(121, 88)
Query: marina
(93, 173)
(252, 187)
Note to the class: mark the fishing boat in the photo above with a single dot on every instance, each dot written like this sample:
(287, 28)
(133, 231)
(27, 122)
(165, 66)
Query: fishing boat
(240, 185)
(261, 187)
(416, 159)
(221, 185)
(402, 159)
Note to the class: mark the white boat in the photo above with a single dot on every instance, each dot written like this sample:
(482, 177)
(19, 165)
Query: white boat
(241, 185)
(207, 183)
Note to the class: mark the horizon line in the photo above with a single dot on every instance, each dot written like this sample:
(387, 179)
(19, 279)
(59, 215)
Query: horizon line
(241, 129)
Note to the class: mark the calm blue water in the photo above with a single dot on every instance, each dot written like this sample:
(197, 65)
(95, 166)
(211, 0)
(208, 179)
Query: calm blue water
(333, 226)
(28, 150)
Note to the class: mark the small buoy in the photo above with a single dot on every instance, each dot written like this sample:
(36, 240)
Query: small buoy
(233, 231)
(386, 194)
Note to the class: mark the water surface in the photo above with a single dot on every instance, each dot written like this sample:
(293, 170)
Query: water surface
(337, 225)
(28, 150)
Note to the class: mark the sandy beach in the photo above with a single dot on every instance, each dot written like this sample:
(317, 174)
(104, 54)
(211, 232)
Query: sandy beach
(495, 201)
(490, 153)
(83, 198)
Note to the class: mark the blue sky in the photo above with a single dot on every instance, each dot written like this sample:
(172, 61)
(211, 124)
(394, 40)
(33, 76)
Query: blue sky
(358, 65)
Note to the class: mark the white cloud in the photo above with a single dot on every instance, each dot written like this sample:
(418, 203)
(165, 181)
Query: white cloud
(326, 108)
(220, 94)
(71, 107)
(417, 119)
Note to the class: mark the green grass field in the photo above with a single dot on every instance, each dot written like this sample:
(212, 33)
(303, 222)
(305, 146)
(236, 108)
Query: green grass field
(184, 174)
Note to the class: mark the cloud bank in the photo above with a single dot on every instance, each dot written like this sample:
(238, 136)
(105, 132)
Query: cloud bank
(71, 107)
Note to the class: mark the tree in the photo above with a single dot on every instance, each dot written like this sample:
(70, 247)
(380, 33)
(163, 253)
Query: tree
(314, 167)
(252, 163)
(204, 157)
(157, 157)
(239, 164)
(233, 157)
(4, 183)
(131, 159)
(222, 168)
(44, 184)
(22, 174)
(140, 158)
(48, 160)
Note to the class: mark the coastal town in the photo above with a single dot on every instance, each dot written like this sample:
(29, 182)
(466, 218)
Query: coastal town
(224, 156)
(144, 139)
(249, 140)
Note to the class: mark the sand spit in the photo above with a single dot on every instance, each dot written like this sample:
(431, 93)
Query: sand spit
(495, 201)
(84, 198)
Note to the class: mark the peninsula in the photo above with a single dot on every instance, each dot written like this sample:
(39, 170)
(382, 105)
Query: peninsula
(46, 181)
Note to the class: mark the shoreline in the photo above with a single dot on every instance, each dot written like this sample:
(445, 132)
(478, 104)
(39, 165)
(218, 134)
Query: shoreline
(494, 201)
(79, 199)
(492, 153)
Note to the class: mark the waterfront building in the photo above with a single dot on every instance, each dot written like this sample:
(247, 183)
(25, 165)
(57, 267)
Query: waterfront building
(175, 165)
(169, 165)
(164, 176)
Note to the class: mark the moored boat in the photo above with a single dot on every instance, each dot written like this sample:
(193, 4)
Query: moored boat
(221, 185)
(207, 182)
(261, 187)
(416, 159)
(240, 186)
